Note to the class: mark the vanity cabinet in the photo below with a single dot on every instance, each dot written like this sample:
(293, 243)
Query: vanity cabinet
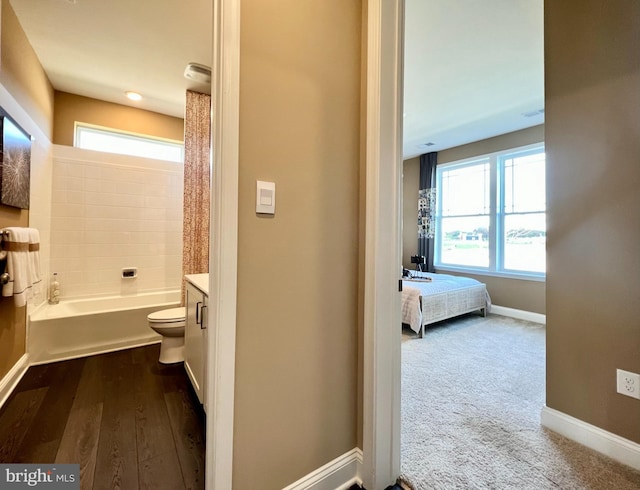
(195, 338)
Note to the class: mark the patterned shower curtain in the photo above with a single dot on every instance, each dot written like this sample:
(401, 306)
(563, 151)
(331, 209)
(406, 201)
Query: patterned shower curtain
(427, 209)
(197, 172)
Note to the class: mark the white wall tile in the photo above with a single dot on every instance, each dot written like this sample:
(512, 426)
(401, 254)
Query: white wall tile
(106, 216)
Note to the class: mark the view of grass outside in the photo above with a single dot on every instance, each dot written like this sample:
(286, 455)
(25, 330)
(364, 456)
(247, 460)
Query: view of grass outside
(524, 247)
(525, 242)
(464, 213)
(466, 241)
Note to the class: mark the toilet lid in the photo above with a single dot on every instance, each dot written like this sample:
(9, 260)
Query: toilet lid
(170, 315)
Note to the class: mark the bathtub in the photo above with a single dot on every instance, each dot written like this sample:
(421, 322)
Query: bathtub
(88, 326)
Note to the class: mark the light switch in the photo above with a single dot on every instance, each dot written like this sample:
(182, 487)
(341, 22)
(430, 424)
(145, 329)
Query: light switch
(265, 197)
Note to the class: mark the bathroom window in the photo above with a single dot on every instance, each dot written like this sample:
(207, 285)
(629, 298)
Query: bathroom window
(112, 141)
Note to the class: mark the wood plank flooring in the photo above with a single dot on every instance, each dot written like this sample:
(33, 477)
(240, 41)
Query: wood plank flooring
(129, 421)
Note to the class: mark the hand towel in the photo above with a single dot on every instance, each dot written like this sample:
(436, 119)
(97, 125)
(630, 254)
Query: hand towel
(16, 243)
(34, 264)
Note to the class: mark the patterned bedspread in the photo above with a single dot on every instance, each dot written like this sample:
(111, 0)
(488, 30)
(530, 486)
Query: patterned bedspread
(412, 290)
(411, 311)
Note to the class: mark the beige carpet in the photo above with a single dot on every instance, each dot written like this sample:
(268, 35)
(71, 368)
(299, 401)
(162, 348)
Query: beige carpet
(472, 391)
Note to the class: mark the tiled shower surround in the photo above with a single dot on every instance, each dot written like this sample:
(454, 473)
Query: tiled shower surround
(110, 212)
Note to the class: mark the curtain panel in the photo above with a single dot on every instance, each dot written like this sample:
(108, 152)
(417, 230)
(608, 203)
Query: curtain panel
(427, 209)
(197, 174)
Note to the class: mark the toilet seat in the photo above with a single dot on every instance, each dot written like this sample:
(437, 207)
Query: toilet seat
(172, 315)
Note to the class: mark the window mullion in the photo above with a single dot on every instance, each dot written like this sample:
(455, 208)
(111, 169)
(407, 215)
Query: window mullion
(494, 225)
(501, 213)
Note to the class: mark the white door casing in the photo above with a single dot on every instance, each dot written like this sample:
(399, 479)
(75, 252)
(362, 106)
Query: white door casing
(381, 390)
(223, 243)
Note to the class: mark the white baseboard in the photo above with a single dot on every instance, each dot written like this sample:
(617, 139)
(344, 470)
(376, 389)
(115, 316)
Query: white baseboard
(611, 445)
(338, 474)
(11, 379)
(519, 314)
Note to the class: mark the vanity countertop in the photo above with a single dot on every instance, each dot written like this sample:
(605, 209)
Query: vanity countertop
(201, 281)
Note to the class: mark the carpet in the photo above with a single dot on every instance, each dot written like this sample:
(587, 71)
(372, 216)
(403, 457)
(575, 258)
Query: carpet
(472, 392)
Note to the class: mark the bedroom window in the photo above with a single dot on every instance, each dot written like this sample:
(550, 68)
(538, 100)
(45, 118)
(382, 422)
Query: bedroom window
(491, 214)
(109, 140)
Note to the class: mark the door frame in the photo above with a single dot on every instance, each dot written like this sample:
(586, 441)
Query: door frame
(223, 244)
(383, 133)
(381, 380)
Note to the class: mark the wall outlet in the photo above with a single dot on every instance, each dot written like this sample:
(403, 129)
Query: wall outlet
(628, 383)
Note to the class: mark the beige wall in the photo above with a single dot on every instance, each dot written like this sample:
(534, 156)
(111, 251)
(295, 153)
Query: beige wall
(511, 293)
(507, 141)
(592, 142)
(23, 77)
(21, 72)
(12, 319)
(296, 366)
(70, 108)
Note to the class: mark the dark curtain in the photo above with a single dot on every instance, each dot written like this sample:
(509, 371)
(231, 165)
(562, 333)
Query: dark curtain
(427, 208)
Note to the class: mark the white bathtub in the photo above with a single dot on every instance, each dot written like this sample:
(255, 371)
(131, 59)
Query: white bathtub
(84, 327)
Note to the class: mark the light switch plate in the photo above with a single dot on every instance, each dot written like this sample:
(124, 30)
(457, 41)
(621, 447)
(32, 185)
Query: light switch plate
(265, 197)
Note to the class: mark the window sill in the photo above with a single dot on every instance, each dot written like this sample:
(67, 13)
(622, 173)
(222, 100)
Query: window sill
(502, 275)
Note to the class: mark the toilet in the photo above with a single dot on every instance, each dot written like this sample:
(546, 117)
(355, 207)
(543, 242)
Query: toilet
(170, 324)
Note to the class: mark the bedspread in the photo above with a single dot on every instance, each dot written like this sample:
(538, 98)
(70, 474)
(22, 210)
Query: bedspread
(411, 311)
(439, 297)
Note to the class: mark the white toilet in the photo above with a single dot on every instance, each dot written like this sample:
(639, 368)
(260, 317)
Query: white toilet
(170, 324)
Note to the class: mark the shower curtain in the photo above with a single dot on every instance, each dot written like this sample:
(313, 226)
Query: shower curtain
(197, 171)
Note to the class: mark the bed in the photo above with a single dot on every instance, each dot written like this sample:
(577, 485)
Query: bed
(428, 298)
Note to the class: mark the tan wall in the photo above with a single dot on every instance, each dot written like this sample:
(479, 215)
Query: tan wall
(23, 77)
(21, 72)
(511, 293)
(296, 366)
(507, 141)
(70, 108)
(12, 319)
(592, 134)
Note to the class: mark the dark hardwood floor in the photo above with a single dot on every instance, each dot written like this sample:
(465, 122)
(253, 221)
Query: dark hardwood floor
(129, 421)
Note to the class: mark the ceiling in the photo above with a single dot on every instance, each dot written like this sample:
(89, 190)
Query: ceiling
(101, 49)
(473, 68)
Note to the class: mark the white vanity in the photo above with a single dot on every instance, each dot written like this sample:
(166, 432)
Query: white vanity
(195, 332)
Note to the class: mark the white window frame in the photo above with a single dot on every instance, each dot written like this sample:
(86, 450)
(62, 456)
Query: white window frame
(496, 215)
(79, 127)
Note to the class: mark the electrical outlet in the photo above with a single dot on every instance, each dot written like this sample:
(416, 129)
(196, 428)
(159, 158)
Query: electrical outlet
(628, 383)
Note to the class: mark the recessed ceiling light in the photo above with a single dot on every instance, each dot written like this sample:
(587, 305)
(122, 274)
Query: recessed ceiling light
(426, 145)
(133, 96)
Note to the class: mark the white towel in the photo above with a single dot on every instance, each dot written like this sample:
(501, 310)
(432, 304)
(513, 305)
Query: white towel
(22, 268)
(34, 264)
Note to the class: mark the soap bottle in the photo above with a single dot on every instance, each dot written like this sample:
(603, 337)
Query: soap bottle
(54, 290)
